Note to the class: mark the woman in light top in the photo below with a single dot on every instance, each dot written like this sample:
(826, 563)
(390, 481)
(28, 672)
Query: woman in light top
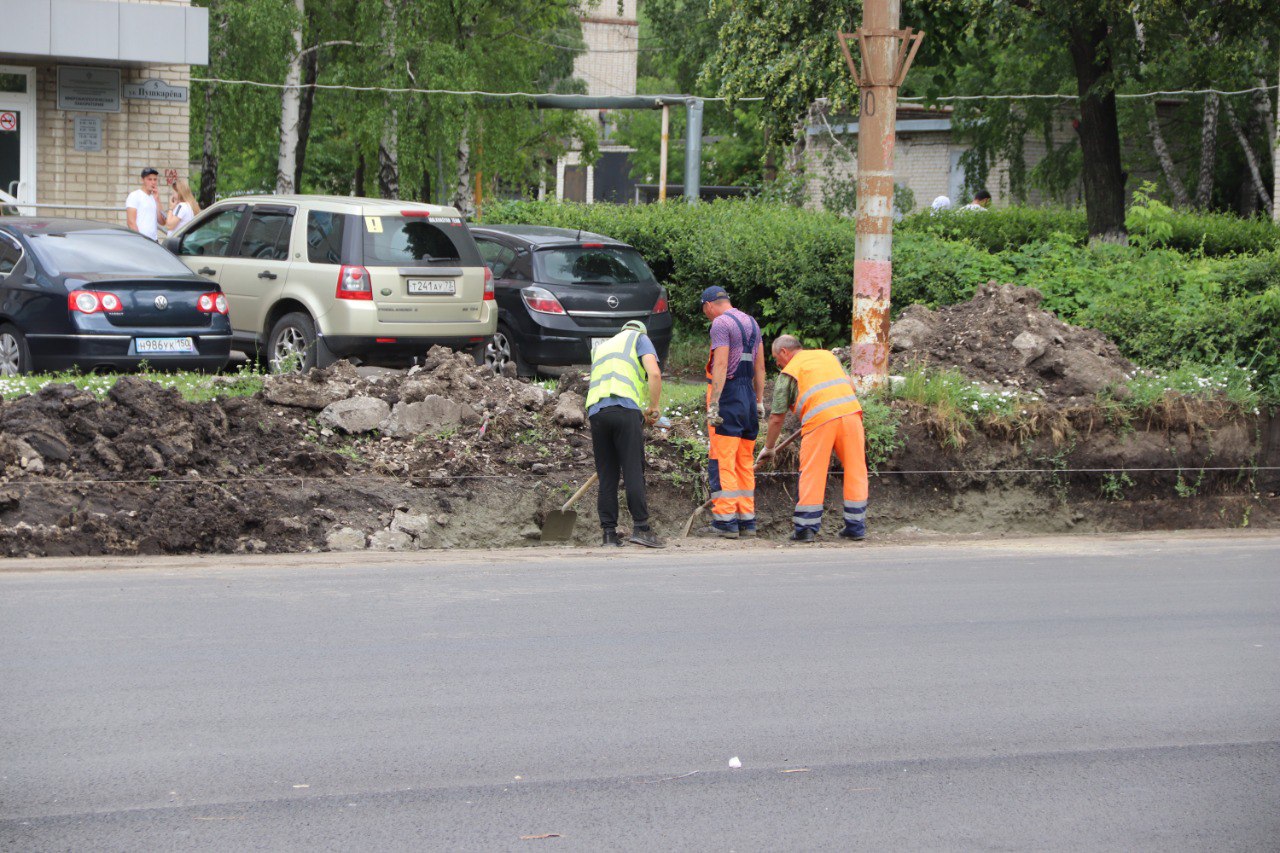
(183, 209)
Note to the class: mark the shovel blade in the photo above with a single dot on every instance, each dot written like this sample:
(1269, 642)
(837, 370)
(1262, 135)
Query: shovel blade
(559, 525)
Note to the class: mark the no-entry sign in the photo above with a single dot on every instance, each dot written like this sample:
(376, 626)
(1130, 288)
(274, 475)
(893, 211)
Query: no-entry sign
(8, 121)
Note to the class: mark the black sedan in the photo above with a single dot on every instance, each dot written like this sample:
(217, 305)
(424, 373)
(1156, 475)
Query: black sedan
(561, 291)
(92, 296)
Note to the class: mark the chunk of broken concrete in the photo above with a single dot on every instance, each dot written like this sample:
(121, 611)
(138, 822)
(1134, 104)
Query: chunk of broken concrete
(569, 410)
(356, 414)
(391, 540)
(346, 539)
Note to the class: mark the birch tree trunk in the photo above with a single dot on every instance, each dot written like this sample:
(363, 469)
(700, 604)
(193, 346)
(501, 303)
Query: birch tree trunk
(1250, 156)
(310, 74)
(1176, 186)
(209, 149)
(291, 108)
(462, 197)
(389, 144)
(1208, 150)
(1275, 159)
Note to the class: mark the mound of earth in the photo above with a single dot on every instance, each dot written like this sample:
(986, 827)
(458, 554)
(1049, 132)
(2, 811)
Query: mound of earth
(1001, 337)
(448, 455)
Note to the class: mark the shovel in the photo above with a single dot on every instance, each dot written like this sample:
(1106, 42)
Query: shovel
(560, 522)
(688, 525)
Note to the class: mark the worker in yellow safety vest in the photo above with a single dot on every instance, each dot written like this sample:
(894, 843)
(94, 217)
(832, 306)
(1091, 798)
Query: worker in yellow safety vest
(815, 386)
(623, 368)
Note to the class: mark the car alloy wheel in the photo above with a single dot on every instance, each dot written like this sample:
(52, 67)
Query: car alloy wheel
(13, 360)
(292, 347)
(498, 352)
(289, 352)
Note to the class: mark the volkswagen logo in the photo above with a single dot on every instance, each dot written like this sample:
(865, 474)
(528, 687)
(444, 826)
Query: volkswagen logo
(613, 301)
(161, 302)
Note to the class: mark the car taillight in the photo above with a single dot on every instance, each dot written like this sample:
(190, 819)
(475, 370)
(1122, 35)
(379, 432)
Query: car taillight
(593, 245)
(92, 301)
(488, 284)
(541, 300)
(416, 213)
(660, 307)
(353, 283)
(212, 303)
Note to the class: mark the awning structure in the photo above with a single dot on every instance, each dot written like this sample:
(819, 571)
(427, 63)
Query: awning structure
(119, 33)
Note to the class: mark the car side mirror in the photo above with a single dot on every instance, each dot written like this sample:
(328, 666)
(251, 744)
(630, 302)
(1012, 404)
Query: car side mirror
(172, 244)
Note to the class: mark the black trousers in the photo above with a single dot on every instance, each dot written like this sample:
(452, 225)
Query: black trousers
(617, 439)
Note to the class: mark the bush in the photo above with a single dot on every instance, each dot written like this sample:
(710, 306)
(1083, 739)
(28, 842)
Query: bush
(793, 270)
(999, 229)
(1012, 228)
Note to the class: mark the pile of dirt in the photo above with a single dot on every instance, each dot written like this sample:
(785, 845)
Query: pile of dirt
(1002, 337)
(448, 455)
(341, 457)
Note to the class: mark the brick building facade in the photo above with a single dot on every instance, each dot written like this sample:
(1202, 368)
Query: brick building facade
(926, 160)
(80, 75)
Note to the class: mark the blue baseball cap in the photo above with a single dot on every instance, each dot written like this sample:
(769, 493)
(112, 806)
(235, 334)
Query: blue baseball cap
(714, 294)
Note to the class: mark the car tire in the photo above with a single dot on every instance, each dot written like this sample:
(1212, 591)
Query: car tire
(501, 349)
(15, 355)
(291, 346)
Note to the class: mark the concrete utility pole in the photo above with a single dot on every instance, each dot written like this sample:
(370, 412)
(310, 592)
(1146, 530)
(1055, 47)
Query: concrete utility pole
(886, 53)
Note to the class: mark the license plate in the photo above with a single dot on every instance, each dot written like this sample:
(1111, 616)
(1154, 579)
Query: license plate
(596, 342)
(164, 345)
(447, 287)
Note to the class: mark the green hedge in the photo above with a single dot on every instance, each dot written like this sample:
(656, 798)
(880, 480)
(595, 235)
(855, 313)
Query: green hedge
(793, 270)
(1002, 229)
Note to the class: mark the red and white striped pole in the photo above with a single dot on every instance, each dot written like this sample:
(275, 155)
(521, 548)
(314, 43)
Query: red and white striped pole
(886, 54)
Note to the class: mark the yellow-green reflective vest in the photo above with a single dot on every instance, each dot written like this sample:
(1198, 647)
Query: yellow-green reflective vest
(615, 371)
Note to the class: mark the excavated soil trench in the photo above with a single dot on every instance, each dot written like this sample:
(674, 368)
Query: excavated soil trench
(448, 456)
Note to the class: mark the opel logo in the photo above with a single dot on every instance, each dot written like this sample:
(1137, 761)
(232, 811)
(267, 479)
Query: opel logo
(613, 301)
(161, 302)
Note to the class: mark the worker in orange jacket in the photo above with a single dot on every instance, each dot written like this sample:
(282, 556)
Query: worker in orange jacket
(815, 386)
(735, 407)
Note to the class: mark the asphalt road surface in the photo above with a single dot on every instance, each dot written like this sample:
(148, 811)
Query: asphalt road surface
(1060, 694)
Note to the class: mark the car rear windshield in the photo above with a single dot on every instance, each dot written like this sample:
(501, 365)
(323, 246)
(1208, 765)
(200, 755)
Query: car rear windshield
(394, 241)
(589, 265)
(105, 253)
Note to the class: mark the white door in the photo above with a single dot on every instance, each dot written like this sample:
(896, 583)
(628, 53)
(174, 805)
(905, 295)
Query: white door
(18, 135)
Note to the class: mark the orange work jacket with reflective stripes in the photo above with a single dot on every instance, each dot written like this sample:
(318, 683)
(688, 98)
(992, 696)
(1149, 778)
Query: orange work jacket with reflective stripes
(823, 390)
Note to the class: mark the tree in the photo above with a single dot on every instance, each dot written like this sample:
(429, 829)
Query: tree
(327, 140)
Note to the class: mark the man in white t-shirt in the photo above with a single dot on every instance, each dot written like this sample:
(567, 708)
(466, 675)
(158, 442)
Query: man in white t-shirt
(143, 206)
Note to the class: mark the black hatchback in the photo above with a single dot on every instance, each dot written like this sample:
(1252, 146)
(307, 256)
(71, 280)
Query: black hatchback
(560, 292)
(86, 295)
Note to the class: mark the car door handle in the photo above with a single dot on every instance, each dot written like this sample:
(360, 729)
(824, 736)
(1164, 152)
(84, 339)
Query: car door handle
(207, 271)
(266, 274)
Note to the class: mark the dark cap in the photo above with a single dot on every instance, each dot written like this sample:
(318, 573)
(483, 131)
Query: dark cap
(149, 171)
(714, 294)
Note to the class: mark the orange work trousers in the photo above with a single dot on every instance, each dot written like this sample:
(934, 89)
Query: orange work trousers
(845, 436)
(731, 474)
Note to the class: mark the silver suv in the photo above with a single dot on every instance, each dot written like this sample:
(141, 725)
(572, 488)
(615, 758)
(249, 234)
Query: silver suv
(310, 279)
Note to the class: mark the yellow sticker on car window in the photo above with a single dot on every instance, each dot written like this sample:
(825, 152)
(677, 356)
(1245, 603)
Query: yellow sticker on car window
(373, 224)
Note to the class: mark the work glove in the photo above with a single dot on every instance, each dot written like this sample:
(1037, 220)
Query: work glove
(760, 413)
(766, 455)
(713, 415)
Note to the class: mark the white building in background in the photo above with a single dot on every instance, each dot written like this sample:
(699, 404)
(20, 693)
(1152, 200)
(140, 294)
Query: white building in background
(92, 92)
(611, 31)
